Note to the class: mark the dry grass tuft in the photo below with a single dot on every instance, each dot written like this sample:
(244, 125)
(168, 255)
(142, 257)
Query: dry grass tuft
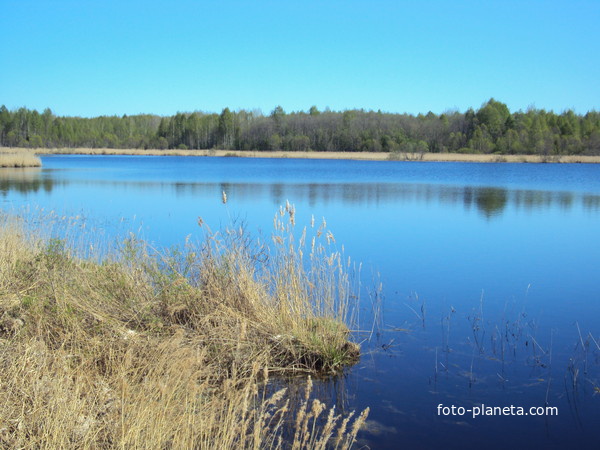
(171, 351)
(18, 158)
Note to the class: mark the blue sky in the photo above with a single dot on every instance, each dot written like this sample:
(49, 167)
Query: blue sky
(89, 58)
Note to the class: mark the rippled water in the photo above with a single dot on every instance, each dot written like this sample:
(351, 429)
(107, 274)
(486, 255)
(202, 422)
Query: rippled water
(490, 275)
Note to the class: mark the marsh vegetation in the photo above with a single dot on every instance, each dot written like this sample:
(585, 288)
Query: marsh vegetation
(143, 349)
(18, 158)
(361, 156)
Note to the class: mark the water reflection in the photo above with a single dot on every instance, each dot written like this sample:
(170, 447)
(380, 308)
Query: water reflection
(591, 202)
(491, 202)
(24, 180)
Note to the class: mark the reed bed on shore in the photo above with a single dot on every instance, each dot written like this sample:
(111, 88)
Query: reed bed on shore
(18, 158)
(368, 156)
(140, 349)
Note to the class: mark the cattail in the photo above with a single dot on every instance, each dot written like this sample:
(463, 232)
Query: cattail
(224, 197)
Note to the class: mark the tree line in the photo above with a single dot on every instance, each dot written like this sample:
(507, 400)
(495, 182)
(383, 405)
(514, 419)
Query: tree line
(490, 129)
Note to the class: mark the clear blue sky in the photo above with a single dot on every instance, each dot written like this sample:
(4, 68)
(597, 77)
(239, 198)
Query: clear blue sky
(96, 57)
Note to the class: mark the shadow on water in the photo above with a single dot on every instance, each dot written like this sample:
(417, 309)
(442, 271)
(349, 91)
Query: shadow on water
(491, 202)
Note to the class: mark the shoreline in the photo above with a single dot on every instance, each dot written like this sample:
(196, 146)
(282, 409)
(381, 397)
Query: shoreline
(358, 156)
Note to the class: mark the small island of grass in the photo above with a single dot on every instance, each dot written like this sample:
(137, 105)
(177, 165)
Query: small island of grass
(18, 158)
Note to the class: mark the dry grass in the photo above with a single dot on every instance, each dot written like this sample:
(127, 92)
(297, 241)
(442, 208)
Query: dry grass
(458, 157)
(370, 156)
(171, 351)
(18, 158)
(465, 157)
(220, 153)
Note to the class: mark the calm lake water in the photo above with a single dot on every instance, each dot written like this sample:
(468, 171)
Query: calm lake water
(490, 275)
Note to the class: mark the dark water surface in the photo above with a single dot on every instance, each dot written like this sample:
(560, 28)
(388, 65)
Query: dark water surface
(490, 274)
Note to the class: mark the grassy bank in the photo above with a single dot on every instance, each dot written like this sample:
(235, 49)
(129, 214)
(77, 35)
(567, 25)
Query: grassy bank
(141, 350)
(366, 156)
(18, 158)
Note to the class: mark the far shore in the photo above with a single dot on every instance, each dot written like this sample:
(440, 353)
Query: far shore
(365, 156)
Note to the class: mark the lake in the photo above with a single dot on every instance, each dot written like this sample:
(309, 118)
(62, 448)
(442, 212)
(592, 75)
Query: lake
(490, 276)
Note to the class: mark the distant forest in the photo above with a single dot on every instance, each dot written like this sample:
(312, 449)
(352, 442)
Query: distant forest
(491, 129)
